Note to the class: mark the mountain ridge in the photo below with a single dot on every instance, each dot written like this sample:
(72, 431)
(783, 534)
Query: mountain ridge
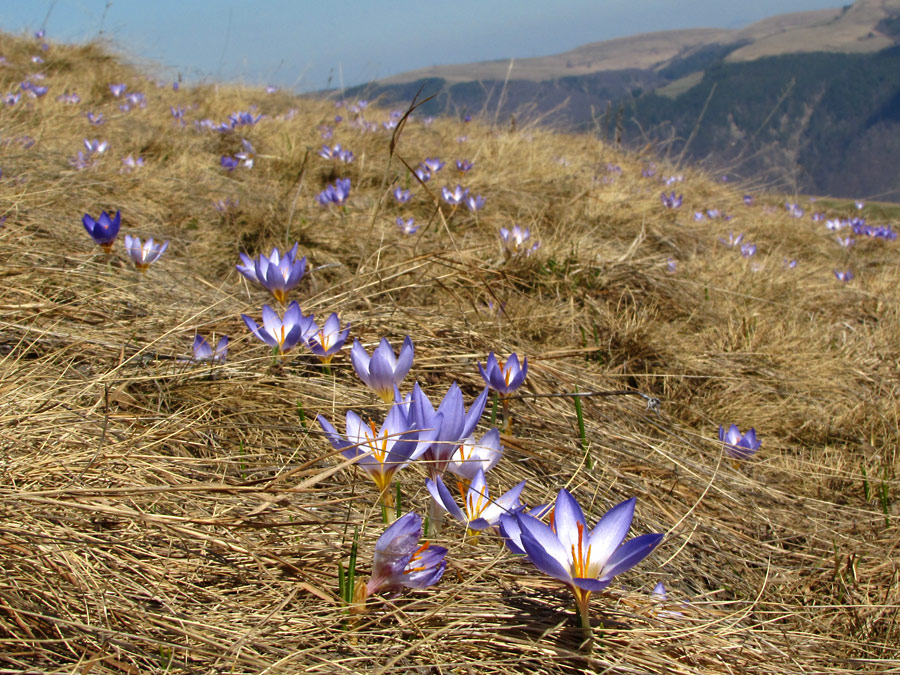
(656, 87)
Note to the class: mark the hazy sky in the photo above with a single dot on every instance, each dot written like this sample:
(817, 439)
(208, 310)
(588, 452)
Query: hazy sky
(301, 43)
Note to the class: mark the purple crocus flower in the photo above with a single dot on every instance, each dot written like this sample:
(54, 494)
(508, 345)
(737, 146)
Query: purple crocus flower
(336, 153)
(402, 196)
(80, 161)
(794, 210)
(464, 165)
(456, 196)
(842, 275)
(433, 164)
(748, 250)
(335, 194)
(450, 423)
(247, 155)
(243, 118)
(739, 446)
(130, 162)
(475, 203)
(479, 511)
(228, 162)
(504, 378)
(400, 562)
(671, 201)
(204, 352)
(846, 242)
(118, 89)
(12, 99)
(281, 333)
(516, 240)
(733, 239)
(71, 99)
(144, 255)
(379, 453)
(473, 456)
(422, 173)
(407, 226)
(104, 230)
(276, 273)
(136, 98)
(96, 118)
(586, 561)
(327, 341)
(382, 371)
(95, 146)
(748, 200)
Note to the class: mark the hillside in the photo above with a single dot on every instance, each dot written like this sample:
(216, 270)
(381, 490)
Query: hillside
(170, 511)
(654, 88)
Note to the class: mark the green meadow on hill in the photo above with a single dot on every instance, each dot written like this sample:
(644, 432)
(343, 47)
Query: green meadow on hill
(163, 515)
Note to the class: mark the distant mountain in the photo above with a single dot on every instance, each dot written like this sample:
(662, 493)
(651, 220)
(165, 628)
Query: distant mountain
(808, 101)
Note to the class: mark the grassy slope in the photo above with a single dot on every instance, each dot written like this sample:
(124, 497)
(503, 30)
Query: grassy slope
(162, 516)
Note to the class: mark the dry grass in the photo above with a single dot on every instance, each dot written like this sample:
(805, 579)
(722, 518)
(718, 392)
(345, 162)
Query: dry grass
(162, 517)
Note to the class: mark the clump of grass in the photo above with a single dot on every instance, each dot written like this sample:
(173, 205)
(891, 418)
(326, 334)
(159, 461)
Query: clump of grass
(161, 517)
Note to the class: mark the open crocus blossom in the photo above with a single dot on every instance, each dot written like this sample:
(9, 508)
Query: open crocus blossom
(479, 511)
(382, 371)
(281, 333)
(584, 560)
(327, 341)
(276, 273)
(104, 230)
(400, 562)
(456, 196)
(204, 352)
(473, 456)
(144, 255)
(517, 241)
(504, 378)
(335, 194)
(739, 446)
(451, 423)
(381, 453)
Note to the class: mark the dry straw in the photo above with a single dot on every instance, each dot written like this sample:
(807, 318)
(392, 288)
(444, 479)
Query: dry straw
(163, 517)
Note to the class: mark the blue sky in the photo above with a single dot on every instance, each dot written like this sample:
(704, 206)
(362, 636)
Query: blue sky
(303, 43)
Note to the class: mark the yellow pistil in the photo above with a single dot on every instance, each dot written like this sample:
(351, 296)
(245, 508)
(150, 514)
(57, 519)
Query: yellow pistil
(581, 561)
(416, 556)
